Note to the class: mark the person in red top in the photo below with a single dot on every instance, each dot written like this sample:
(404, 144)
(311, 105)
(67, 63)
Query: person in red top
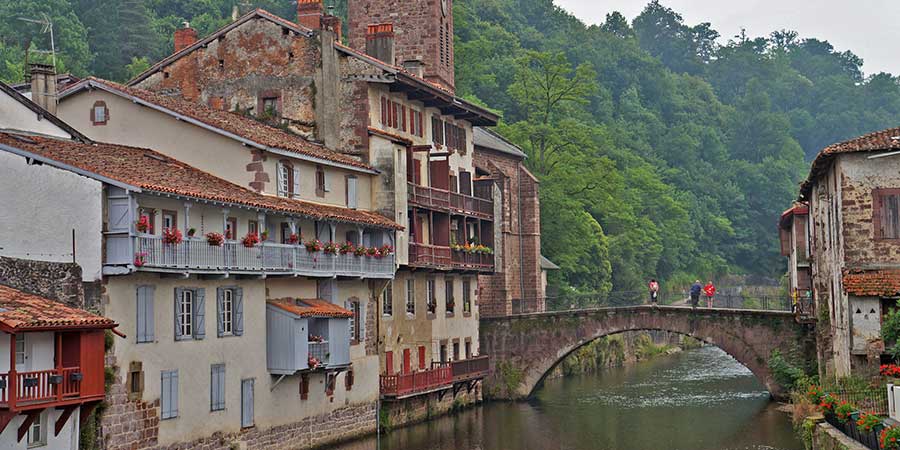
(710, 291)
(654, 292)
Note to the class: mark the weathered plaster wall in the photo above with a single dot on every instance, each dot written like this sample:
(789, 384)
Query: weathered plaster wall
(15, 116)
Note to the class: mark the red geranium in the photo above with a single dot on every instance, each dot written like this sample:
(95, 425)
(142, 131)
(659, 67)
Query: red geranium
(890, 370)
(143, 224)
(215, 239)
(172, 236)
(250, 240)
(293, 239)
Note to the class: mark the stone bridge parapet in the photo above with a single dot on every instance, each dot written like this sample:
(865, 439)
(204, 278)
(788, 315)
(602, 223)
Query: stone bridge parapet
(523, 348)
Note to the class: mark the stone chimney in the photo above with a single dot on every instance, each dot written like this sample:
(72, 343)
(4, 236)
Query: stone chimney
(185, 37)
(380, 42)
(309, 13)
(415, 67)
(333, 24)
(43, 86)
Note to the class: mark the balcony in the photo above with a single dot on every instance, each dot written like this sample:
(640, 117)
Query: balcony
(441, 200)
(270, 258)
(40, 387)
(440, 376)
(444, 258)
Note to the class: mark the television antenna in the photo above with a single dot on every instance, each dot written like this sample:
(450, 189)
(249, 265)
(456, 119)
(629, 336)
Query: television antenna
(46, 27)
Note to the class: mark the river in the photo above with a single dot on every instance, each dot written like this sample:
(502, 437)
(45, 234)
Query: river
(700, 399)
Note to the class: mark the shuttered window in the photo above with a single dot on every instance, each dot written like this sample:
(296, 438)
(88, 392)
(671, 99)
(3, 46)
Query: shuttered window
(353, 306)
(352, 192)
(246, 403)
(190, 314)
(437, 130)
(410, 296)
(229, 311)
(886, 213)
(217, 387)
(145, 319)
(449, 298)
(467, 296)
(387, 299)
(168, 395)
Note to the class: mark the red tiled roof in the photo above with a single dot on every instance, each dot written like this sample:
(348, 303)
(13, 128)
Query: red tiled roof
(156, 172)
(310, 307)
(390, 136)
(23, 311)
(888, 139)
(874, 283)
(799, 209)
(234, 123)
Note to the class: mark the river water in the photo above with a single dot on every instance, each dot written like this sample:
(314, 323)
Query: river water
(700, 399)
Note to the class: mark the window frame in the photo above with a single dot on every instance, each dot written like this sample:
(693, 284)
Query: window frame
(24, 351)
(879, 212)
(411, 297)
(387, 300)
(355, 317)
(430, 297)
(467, 296)
(449, 296)
(321, 183)
(41, 425)
(189, 315)
(99, 105)
(228, 312)
(167, 213)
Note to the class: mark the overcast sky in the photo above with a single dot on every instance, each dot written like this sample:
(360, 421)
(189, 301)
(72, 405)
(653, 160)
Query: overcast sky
(869, 28)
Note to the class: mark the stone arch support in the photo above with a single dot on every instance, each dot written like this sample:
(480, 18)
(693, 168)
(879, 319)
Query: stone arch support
(524, 348)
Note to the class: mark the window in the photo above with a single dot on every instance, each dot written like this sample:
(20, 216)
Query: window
(288, 182)
(455, 137)
(421, 357)
(410, 296)
(217, 387)
(20, 349)
(269, 107)
(231, 228)
(146, 328)
(169, 220)
(449, 297)
(168, 394)
(135, 380)
(415, 123)
(387, 299)
(437, 130)
(230, 311)
(37, 433)
(468, 348)
(355, 335)
(99, 113)
(352, 192)
(886, 213)
(430, 299)
(456, 351)
(189, 314)
(467, 297)
(286, 233)
(321, 186)
(151, 216)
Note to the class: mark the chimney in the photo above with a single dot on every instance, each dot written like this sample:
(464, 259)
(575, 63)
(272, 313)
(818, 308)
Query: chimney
(185, 37)
(380, 42)
(333, 24)
(415, 67)
(309, 13)
(43, 86)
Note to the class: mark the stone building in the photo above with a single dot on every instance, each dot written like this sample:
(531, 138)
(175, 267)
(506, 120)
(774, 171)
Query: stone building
(518, 283)
(853, 192)
(795, 245)
(400, 117)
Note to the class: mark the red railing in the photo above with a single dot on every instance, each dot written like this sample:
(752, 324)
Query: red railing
(440, 199)
(415, 382)
(41, 386)
(473, 260)
(472, 368)
(429, 255)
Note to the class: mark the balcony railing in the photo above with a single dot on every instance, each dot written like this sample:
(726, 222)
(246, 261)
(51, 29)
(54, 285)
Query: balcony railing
(440, 257)
(439, 199)
(441, 375)
(197, 254)
(44, 386)
(319, 350)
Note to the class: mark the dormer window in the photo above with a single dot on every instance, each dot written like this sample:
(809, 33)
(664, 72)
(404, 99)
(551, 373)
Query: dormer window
(99, 113)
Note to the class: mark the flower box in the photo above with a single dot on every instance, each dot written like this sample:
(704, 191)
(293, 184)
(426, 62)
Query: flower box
(30, 382)
(172, 236)
(55, 379)
(215, 239)
(3, 384)
(76, 376)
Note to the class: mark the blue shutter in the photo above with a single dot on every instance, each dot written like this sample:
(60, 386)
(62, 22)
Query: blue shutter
(178, 293)
(362, 320)
(237, 327)
(220, 297)
(169, 394)
(217, 387)
(246, 403)
(199, 314)
(145, 311)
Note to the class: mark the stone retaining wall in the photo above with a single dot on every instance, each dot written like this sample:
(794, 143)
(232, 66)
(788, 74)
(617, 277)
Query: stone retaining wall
(395, 414)
(827, 437)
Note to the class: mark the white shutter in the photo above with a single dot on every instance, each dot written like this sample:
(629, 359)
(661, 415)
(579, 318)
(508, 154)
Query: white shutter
(296, 187)
(280, 181)
(351, 192)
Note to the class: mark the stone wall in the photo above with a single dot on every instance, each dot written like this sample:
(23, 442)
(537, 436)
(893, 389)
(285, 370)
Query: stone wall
(827, 437)
(56, 281)
(420, 408)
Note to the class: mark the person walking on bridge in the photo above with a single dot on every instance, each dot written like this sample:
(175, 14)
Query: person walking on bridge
(710, 291)
(654, 292)
(695, 293)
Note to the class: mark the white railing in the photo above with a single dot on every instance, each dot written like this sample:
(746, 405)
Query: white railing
(196, 254)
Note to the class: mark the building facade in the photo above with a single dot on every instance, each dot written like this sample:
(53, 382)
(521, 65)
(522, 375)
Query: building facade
(853, 193)
(795, 245)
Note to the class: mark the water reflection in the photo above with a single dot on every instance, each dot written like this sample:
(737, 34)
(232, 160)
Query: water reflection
(698, 400)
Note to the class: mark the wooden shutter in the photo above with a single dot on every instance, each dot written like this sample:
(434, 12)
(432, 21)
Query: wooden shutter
(120, 219)
(279, 179)
(145, 319)
(246, 403)
(403, 118)
(384, 111)
(237, 326)
(178, 293)
(199, 314)
(389, 363)
(217, 387)
(220, 320)
(465, 182)
(440, 174)
(169, 394)
(361, 320)
(351, 192)
(422, 357)
(295, 181)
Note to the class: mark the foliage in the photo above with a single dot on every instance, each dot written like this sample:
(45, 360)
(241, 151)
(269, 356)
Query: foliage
(890, 438)
(843, 411)
(868, 422)
(890, 331)
(510, 378)
(785, 372)
(827, 404)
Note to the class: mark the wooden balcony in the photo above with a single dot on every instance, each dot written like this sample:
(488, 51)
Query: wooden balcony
(441, 376)
(40, 387)
(196, 255)
(441, 200)
(445, 258)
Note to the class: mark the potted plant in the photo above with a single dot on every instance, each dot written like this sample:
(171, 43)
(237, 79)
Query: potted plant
(264, 236)
(360, 251)
(192, 232)
(331, 248)
(843, 412)
(250, 240)
(371, 251)
(889, 439)
(869, 426)
(139, 259)
(386, 249)
(293, 239)
(826, 406)
(172, 236)
(313, 362)
(143, 224)
(347, 247)
(215, 239)
(313, 246)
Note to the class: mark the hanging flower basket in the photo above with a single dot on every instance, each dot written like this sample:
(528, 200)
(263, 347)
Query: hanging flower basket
(331, 248)
(215, 239)
(313, 362)
(143, 224)
(347, 247)
(313, 246)
(172, 236)
(293, 239)
(250, 240)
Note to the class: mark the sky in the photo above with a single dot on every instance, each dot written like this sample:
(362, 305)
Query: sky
(868, 28)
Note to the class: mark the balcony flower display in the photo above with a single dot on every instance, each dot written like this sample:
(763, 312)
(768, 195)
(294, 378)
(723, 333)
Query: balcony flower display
(172, 236)
(293, 239)
(331, 248)
(868, 422)
(316, 338)
(313, 362)
(360, 251)
(313, 246)
(826, 405)
(483, 250)
(814, 394)
(386, 249)
(143, 224)
(139, 259)
(890, 438)
(843, 411)
(192, 232)
(890, 370)
(371, 252)
(250, 240)
(347, 247)
(264, 236)
(215, 239)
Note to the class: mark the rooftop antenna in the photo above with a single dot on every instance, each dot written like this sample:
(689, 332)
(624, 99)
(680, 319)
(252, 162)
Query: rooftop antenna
(46, 27)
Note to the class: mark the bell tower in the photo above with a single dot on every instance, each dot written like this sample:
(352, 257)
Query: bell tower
(423, 33)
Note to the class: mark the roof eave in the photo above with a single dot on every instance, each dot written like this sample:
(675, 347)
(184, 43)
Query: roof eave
(64, 166)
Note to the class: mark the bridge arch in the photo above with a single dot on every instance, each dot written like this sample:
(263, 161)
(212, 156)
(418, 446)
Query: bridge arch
(525, 348)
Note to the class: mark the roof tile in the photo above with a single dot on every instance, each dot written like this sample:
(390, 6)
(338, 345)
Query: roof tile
(873, 283)
(310, 307)
(20, 310)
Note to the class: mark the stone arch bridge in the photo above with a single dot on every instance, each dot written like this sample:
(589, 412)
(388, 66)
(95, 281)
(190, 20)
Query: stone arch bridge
(525, 347)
